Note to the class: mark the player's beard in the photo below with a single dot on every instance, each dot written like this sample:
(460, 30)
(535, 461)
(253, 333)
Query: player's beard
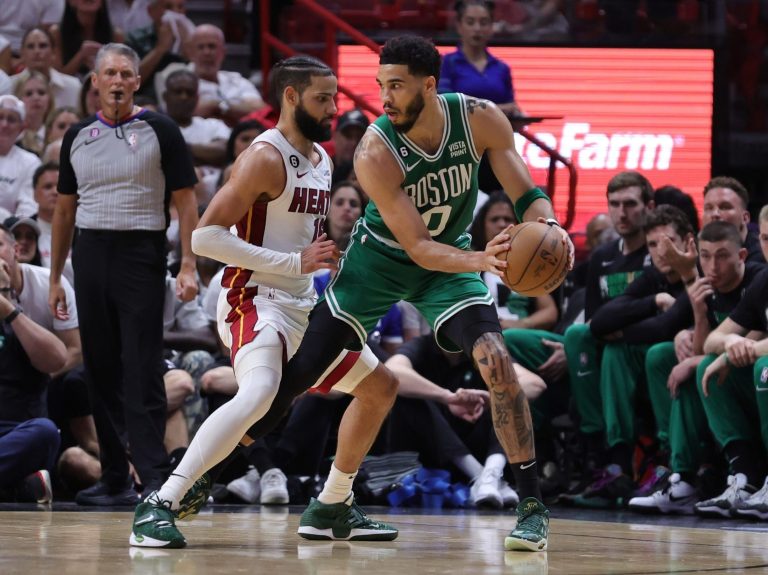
(310, 127)
(410, 115)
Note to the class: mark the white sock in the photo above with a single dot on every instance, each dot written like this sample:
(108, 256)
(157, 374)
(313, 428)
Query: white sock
(495, 463)
(223, 429)
(468, 464)
(338, 486)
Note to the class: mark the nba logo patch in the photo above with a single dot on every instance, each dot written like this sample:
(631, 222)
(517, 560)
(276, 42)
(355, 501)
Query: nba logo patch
(95, 132)
(132, 140)
(583, 359)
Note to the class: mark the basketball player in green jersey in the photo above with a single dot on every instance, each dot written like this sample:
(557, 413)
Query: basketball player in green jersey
(418, 164)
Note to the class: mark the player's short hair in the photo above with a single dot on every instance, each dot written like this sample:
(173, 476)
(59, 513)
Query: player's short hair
(731, 184)
(419, 54)
(120, 50)
(720, 231)
(668, 215)
(297, 72)
(42, 169)
(461, 6)
(629, 179)
(182, 73)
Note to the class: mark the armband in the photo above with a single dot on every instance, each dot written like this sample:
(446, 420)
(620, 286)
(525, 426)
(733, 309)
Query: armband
(12, 316)
(525, 201)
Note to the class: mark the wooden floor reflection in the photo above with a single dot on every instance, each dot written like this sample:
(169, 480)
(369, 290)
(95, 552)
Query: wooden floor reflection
(255, 542)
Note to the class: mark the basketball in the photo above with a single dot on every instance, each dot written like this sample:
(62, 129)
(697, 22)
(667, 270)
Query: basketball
(537, 259)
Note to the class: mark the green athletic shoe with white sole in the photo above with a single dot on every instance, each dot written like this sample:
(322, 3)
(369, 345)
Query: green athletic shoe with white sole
(342, 522)
(532, 528)
(154, 525)
(195, 498)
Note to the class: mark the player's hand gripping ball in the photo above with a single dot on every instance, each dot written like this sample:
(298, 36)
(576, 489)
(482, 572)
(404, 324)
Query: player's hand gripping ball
(537, 260)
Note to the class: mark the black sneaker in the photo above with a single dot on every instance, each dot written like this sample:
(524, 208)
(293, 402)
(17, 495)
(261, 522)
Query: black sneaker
(103, 494)
(611, 490)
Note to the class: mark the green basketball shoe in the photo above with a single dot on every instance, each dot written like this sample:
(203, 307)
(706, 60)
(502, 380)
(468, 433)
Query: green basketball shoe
(532, 529)
(154, 526)
(340, 521)
(195, 498)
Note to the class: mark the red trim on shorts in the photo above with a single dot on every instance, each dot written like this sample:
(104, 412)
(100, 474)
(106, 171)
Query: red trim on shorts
(338, 373)
(242, 317)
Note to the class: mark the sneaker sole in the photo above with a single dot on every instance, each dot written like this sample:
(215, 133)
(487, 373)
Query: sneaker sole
(752, 514)
(315, 534)
(515, 544)
(715, 512)
(489, 503)
(274, 499)
(144, 541)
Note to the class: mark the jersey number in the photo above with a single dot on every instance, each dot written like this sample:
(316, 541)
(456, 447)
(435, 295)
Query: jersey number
(441, 212)
(318, 228)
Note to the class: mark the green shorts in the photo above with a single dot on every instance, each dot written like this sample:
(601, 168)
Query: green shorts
(373, 276)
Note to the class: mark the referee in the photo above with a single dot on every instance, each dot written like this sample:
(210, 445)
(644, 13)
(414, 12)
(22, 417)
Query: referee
(120, 169)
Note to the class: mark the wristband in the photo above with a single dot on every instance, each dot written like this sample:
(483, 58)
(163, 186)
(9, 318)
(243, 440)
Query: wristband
(521, 205)
(12, 316)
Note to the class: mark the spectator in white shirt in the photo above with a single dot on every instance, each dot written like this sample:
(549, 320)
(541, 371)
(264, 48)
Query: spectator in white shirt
(16, 165)
(37, 56)
(225, 95)
(17, 16)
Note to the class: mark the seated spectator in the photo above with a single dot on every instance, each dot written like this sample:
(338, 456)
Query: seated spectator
(59, 121)
(26, 232)
(532, 19)
(35, 92)
(89, 98)
(16, 165)
(44, 180)
(160, 43)
(83, 30)
(206, 137)
(29, 442)
(348, 133)
(223, 94)
(20, 15)
(242, 136)
(37, 55)
(347, 205)
(129, 15)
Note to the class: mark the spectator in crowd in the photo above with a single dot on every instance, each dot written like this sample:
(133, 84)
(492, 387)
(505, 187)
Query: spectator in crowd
(206, 137)
(16, 165)
(84, 29)
(26, 232)
(349, 131)
(241, 136)
(223, 94)
(129, 15)
(20, 15)
(5, 62)
(347, 205)
(89, 98)
(37, 55)
(160, 43)
(59, 121)
(45, 179)
(120, 268)
(29, 442)
(35, 91)
(532, 19)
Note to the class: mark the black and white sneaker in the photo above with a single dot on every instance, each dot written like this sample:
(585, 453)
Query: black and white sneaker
(756, 507)
(677, 496)
(725, 504)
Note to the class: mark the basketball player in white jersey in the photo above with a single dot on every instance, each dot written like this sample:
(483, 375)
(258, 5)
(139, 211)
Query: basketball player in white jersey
(276, 199)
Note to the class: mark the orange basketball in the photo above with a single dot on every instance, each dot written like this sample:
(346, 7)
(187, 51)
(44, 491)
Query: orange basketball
(536, 260)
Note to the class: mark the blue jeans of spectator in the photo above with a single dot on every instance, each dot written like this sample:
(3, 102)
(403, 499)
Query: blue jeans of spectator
(27, 447)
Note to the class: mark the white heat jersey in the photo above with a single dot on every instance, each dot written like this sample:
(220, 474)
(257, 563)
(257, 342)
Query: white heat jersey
(290, 222)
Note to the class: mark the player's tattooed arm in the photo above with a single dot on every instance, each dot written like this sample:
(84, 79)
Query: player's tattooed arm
(511, 414)
(475, 103)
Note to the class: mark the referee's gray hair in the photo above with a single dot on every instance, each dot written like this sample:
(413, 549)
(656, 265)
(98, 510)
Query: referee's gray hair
(120, 50)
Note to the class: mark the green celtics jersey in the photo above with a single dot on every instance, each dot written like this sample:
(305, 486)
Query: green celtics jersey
(443, 185)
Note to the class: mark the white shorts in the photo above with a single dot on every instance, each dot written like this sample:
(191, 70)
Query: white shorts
(243, 313)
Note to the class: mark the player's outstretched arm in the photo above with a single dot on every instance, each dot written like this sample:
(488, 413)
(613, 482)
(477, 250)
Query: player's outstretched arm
(258, 176)
(381, 176)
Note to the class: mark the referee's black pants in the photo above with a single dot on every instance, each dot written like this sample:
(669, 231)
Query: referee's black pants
(120, 290)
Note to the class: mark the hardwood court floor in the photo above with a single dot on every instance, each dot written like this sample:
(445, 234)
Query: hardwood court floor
(257, 541)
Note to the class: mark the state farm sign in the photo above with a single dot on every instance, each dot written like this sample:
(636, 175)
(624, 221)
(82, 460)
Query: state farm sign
(622, 109)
